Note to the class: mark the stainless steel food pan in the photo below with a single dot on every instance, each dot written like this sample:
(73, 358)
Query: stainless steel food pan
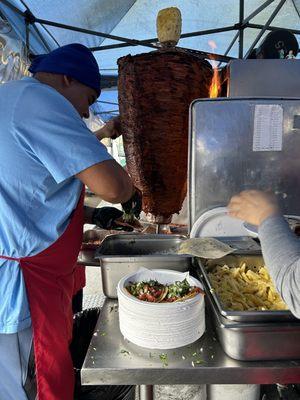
(240, 316)
(242, 244)
(256, 341)
(120, 255)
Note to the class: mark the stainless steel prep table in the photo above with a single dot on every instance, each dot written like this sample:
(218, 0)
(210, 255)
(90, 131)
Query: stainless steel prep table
(87, 258)
(111, 360)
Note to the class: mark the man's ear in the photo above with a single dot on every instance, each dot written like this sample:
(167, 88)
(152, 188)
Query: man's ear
(67, 80)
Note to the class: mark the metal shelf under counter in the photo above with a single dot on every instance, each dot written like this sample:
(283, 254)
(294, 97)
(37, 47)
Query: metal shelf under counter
(112, 360)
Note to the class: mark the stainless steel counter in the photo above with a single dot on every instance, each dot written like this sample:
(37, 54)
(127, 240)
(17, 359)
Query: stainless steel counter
(86, 257)
(112, 360)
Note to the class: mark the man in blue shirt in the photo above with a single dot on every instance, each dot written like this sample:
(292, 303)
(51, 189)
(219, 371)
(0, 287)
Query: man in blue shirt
(47, 154)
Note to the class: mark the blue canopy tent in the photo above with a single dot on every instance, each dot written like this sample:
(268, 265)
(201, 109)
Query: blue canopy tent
(115, 28)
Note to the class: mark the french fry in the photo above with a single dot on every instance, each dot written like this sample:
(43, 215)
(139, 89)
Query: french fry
(245, 288)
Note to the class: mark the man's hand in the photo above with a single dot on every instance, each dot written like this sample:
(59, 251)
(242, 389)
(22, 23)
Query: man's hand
(112, 129)
(133, 206)
(253, 206)
(109, 218)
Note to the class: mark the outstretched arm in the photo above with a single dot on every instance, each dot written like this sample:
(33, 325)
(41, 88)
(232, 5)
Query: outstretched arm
(280, 246)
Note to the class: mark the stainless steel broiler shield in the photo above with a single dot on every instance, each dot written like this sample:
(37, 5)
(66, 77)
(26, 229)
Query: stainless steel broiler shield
(238, 144)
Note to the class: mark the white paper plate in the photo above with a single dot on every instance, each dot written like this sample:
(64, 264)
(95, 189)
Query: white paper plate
(160, 325)
(216, 222)
(251, 229)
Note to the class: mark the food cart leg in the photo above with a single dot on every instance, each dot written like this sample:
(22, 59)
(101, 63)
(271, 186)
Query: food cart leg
(146, 392)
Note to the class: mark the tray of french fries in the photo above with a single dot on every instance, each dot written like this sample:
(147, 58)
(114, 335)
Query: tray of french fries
(242, 289)
(255, 340)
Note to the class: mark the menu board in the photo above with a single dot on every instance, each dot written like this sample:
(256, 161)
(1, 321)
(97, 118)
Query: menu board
(268, 127)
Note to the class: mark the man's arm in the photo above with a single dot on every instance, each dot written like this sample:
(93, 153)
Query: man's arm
(109, 181)
(112, 129)
(280, 246)
(281, 251)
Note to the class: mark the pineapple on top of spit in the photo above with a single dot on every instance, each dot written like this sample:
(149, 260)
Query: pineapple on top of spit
(168, 26)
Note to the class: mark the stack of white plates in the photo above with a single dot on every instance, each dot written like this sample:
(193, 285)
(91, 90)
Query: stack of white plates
(160, 325)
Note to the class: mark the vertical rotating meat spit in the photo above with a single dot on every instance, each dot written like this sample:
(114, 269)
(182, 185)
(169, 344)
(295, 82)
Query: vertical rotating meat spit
(155, 92)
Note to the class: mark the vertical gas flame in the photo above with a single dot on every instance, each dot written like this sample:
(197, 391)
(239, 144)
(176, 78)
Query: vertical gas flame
(215, 85)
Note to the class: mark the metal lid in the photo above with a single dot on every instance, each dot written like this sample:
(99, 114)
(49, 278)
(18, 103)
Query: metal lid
(224, 159)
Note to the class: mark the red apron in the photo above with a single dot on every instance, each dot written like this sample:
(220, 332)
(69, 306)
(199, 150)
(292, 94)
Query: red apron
(49, 279)
(79, 278)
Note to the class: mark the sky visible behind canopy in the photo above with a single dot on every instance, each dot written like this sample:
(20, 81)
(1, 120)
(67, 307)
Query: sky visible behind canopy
(136, 19)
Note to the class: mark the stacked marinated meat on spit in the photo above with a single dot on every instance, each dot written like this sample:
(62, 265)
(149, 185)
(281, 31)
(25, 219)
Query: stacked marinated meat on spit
(155, 92)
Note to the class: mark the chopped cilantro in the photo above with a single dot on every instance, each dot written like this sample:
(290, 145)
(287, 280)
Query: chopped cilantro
(164, 359)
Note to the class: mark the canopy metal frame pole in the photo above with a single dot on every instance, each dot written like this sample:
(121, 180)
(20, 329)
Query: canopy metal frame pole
(29, 20)
(50, 34)
(90, 32)
(231, 44)
(200, 33)
(153, 40)
(34, 19)
(41, 37)
(106, 112)
(241, 29)
(244, 23)
(210, 56)
(27, 44)
(12, 7)
(272, 16)
(106, 102)
(257, 11)
(272, 28)
(28, 14)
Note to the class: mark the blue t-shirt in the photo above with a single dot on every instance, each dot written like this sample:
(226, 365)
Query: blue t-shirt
(43, 144)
